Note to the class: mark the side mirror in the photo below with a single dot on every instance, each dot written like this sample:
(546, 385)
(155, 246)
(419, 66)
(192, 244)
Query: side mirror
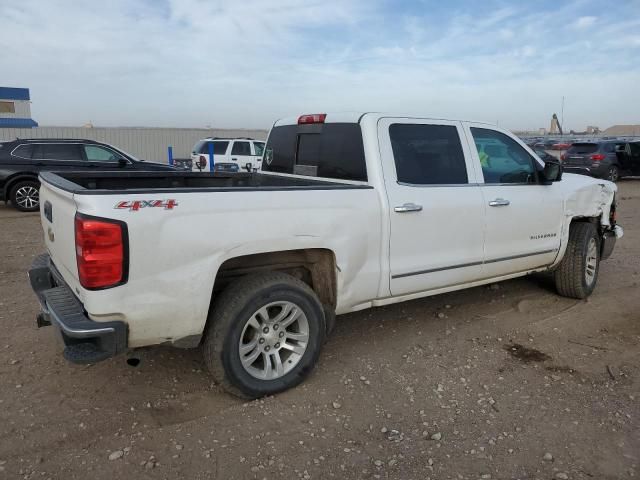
(552, 172)
(122, 162)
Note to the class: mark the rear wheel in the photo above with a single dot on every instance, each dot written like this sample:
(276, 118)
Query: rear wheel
(613, 174)
(577, 274)
(264, 334)
(25, 196)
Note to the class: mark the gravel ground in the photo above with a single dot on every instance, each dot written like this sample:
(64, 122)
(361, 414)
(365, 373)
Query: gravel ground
(503, 382)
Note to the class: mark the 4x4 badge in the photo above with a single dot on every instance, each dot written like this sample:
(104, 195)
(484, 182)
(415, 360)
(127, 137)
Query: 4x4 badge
(136, 205)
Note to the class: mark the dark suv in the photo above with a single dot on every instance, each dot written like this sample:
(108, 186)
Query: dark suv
(605, 159)
(22, 160)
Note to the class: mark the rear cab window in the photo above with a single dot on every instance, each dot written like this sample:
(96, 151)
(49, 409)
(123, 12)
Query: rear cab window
(327, 150)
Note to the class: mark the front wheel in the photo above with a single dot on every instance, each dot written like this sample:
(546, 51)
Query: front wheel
(25, 196)
(577, 274)
(264, 334)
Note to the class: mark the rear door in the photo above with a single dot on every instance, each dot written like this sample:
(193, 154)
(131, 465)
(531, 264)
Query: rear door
(241, 154)
(437, 216)
(523, 218)
(58, 156)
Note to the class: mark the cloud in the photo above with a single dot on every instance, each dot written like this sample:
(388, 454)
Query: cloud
(228, 63)
(585, 22)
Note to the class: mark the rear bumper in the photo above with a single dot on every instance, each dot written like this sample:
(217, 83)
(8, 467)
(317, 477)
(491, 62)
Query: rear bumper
(85, 341)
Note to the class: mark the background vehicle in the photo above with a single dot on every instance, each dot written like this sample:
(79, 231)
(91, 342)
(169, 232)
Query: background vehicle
(546, 157)
(598, 159)
(351, 211)
(561, 145)
(229, 154)
(544, 144)
(22, 160)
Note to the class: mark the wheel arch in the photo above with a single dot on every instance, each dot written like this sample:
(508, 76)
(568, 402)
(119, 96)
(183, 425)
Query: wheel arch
(314, 266)
(15, 178)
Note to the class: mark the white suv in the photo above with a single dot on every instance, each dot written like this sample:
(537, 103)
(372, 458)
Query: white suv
(229, 154)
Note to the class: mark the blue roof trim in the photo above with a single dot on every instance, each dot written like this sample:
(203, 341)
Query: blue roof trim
(9, 93)
(17, 123)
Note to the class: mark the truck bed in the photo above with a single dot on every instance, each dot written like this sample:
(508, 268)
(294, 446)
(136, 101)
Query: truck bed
(105, 183)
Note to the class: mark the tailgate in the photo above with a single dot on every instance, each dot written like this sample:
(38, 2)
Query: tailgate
(57, 214)
(579, 154)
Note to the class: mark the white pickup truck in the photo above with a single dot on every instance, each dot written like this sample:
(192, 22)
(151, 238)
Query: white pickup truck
(350, 211)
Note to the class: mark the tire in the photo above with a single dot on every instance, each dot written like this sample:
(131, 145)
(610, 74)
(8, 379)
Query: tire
(25, 196)
(237, 321)
(613, 174)
(577, 274)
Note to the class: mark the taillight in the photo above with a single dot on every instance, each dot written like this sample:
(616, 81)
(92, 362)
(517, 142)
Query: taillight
(101, 252)
(597, 157)
(563, 156)
(312, 118)
(203, 161)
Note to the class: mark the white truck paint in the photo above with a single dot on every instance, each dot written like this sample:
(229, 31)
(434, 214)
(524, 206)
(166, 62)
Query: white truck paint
(383, 254)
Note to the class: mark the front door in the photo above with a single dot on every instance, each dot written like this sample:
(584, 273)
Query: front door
(523, 217)
(436, 213)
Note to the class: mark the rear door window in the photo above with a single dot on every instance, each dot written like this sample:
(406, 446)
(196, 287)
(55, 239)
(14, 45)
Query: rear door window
(219, 148)
(241, 148)
(330, 150)
(582, 148)
(61, 151)
(23, 151)
(428, 154)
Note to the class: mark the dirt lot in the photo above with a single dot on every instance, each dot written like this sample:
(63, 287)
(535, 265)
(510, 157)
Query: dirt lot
(434, 388)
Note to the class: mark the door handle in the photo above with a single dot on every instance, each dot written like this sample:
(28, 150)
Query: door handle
(234, 159)
(408, 207)
(499, 202)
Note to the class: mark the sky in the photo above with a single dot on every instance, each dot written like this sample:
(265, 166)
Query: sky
(245, 63)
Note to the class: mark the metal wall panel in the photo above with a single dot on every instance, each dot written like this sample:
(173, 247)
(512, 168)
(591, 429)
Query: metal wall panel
(145, 143)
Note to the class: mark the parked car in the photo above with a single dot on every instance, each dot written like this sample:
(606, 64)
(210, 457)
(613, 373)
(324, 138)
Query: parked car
(22, 160)
(600, 159)
(544, 156)
(254, 267)
(544, 144)
(561, 145)
(229, 154)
